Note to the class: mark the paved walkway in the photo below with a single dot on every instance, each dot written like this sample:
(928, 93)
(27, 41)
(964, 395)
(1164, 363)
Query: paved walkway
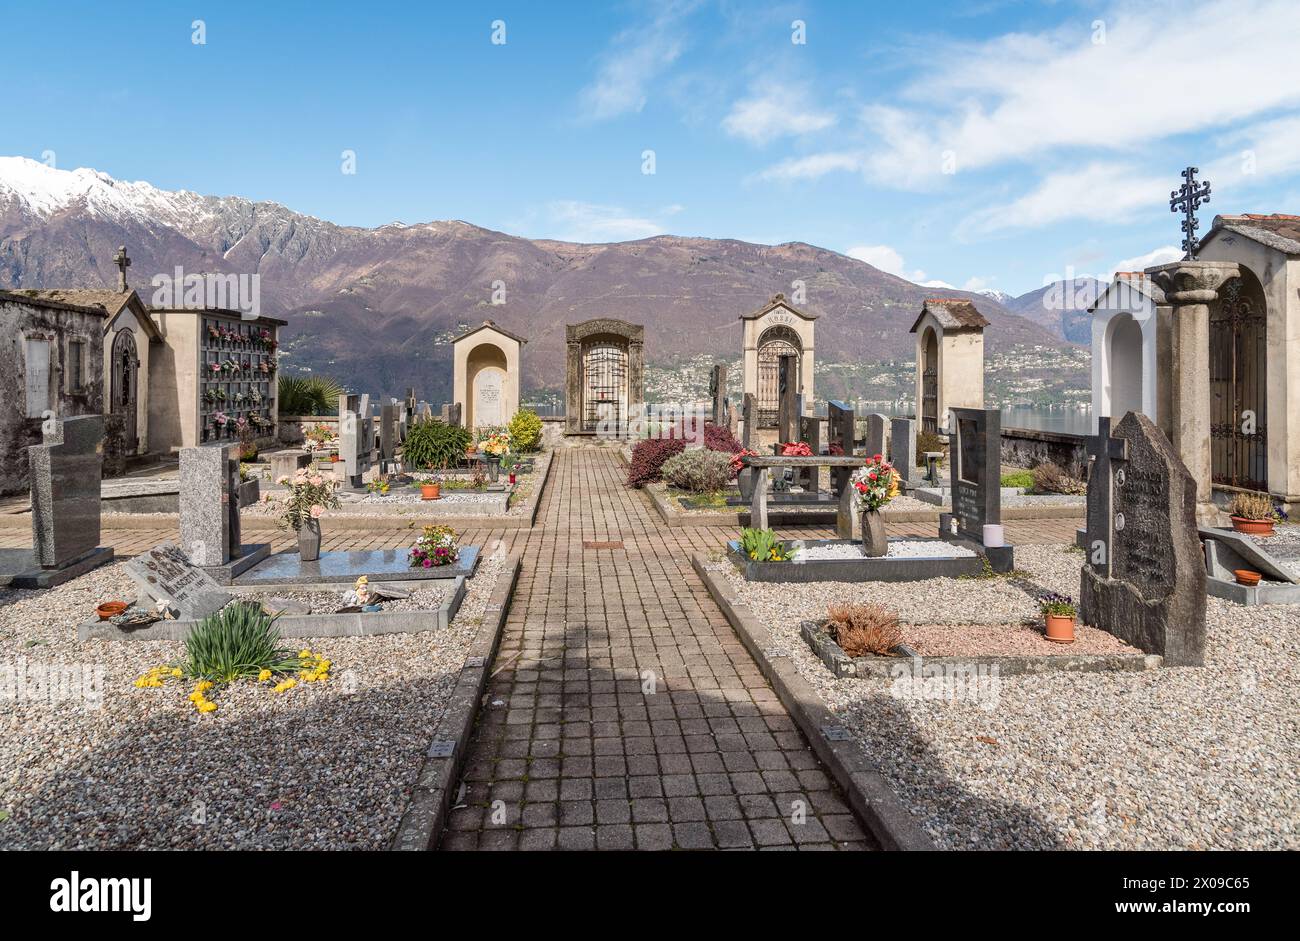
(623, 712)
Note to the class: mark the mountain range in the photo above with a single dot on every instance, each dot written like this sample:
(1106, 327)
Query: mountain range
(376, 307)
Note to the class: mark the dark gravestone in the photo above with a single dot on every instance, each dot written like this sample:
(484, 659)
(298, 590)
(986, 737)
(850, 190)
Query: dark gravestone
(810, 430)
(749, 417)
(787, 411)
(1144, 580)
(65, 475)
(718, 394)
(388, 436)
(902, 448)
(840, 432)
(977, 470)
(451, 414)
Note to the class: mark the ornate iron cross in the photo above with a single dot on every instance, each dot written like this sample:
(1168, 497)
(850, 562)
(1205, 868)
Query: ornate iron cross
(1187, 199)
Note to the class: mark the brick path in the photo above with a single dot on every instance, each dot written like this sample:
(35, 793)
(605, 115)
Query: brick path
(574, 751)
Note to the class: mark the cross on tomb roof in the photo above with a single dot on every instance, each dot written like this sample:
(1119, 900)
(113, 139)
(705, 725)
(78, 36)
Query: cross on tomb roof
(122, 262)
(1187, 199)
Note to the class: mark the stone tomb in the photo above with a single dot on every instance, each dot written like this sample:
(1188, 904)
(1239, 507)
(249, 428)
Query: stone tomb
(65, 486)
(209, 513)
(1226, 551)
(166, 574)
(1144, 580)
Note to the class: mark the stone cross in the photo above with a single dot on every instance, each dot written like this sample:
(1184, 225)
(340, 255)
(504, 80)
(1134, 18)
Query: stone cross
(65, 476)
(122, 262)
(1187, 199)
(1144, 577)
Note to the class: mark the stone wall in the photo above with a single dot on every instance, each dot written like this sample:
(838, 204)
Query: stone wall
(1027, 447)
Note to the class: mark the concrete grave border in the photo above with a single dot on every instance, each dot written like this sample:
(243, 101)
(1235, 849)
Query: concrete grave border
(425, 817)
(871, 798)
(882, 668)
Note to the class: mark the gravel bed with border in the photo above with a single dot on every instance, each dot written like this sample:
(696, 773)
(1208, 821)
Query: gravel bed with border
(325, 765)
(1175, 758)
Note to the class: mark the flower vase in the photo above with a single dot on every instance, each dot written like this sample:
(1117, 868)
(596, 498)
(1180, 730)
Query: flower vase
(309, 541)
(494, 467)
(874, 544)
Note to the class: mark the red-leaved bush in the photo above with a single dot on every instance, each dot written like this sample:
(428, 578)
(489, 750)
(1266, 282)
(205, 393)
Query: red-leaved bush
(648, 459)
(648, 456)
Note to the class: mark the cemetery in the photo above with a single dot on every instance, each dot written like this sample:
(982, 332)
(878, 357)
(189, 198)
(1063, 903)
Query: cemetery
(439, 616)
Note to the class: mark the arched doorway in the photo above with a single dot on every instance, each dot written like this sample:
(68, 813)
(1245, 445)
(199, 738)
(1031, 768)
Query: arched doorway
(1124, 367)
(485, 398)
(930, 383)
(124, 397)
(604, 382)
(1238, 389)
(772, 345)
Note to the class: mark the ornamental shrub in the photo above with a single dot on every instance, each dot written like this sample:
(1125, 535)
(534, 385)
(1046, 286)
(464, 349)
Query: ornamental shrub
(239, 640)
(648, 459)
(698, 470)
(525, 430)
(434, 444)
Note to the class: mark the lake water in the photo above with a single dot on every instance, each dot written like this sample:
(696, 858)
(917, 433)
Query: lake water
(1070, 420)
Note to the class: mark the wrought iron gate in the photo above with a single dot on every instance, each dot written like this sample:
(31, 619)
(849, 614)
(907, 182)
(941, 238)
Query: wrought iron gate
(604, 385)
(930, 386)
(776, 342)
(125, 369)
(1238, 362)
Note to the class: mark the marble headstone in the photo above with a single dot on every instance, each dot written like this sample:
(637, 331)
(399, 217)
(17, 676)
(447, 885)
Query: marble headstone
(810, 430)
(356, 437)
(902, 448)
(209, 504)
(65, 477)
(1144, 578)
(875, 434)
(976, 470)
(165, 573)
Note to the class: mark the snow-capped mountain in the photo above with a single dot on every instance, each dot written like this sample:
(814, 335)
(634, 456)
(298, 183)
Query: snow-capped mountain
(373, 307)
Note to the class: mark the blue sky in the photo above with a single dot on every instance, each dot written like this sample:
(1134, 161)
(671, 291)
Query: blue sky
(980, 144)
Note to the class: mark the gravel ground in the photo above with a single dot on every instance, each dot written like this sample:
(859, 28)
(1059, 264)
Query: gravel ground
(1179, 758)
(1006, 640)
(897, 549)
(325, 765)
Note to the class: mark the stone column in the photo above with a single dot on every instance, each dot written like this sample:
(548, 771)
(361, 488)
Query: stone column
(1190, 287)
(635, 378)
(573, 388)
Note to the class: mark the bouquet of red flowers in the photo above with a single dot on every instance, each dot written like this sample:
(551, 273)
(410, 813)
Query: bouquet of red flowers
(795, 449)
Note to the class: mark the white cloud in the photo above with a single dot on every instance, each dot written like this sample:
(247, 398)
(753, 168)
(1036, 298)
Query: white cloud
(1159, 256)
(634, 59)
(775, 109)
(575, 221)
(1099, 192)
(1022, 96)
(811, 167)
(887, 259)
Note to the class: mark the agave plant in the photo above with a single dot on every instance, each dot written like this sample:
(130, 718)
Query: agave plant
(239, 640)
(308, 395)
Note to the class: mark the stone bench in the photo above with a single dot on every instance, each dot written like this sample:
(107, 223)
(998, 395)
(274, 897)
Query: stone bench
(762, 466)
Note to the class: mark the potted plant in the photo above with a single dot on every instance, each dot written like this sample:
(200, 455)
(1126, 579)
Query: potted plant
(431, 487)
(436, 546)
(876, 484)
(1253, 513)
(1059, 613)
(310, 495)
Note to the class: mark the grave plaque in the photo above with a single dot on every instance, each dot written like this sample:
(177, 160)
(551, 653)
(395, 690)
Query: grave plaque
(489, 384)
(165, 573)
(902, 449)
(65, 478)
(1144, 580)
(977, 470)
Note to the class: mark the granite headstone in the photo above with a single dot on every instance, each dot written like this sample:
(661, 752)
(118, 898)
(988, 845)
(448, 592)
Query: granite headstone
(65, 472)
(209, 504)
(1144, 579)
(165, 573)
(976, 470)
(875, 443)
(902, 448)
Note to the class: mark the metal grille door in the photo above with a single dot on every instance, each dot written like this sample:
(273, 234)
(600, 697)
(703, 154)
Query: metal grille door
(604, 385)
(777, 342)
(930, 387)
(1238, 351)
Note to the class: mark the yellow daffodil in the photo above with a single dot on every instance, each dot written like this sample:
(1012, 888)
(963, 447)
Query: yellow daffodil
(304, 654)
(196, 697)
(207, 706)
(203, 685)
(263, 676)
(176, 671)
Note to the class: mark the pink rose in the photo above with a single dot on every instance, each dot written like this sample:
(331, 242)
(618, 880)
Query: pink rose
(317, 511)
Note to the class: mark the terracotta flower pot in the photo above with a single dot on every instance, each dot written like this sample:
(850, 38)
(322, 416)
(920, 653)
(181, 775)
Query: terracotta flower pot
(1252, 527)
(1246, 577)
(430, 491)
(1060, 628)
(334, 458)
(110, 609)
